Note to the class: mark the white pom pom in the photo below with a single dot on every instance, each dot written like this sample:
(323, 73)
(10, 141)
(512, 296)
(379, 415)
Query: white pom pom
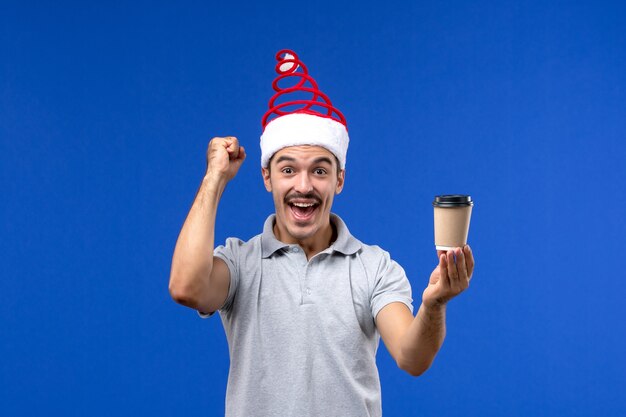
(287, 66)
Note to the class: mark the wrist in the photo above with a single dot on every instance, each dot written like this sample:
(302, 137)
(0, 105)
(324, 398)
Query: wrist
(434, 307)
(214, 182)
(433, 315)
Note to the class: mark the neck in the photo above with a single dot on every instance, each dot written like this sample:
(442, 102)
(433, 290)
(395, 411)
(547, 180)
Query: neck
(311, 245)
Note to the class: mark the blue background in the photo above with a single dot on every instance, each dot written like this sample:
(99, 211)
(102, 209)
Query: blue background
(105, 115)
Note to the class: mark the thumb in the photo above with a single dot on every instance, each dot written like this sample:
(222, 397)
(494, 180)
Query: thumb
(241, 155)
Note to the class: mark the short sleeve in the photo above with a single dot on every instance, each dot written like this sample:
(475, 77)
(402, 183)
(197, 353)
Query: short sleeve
(391, 285)
(229, 253)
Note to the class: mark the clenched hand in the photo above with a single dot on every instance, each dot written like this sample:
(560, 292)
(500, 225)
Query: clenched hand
(224, 158)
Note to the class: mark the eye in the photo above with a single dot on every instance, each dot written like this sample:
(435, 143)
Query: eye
(320, 171)
(287, 170)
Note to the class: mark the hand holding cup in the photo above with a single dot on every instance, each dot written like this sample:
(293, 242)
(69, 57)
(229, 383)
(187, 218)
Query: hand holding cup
(452, 215)
(450, 278)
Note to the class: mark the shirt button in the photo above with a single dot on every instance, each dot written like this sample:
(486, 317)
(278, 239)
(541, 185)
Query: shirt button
(308, 291)
(294, 249)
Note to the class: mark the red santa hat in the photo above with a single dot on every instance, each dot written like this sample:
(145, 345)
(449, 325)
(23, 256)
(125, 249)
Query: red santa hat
(303, 116)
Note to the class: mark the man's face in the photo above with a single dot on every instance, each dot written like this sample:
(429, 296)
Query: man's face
(303, 181)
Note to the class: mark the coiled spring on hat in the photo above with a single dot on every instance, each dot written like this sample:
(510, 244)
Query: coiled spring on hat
(287, 68)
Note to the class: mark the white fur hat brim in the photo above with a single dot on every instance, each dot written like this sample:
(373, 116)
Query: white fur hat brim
(304, 129)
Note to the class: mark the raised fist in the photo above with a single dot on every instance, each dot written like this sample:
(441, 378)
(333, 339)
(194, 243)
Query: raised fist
(224, 157)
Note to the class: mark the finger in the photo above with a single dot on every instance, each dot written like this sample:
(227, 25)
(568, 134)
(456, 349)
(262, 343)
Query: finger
(440, 252)
(444, 278)
(241, 157)
(461, 268)
(231, 140)
(469, 261)
(452, 272)
(222, 143)
(232, 147)
(242, 153)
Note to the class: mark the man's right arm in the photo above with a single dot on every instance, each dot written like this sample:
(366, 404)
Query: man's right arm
(198, 279)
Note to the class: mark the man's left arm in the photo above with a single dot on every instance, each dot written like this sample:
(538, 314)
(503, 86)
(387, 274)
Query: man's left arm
(414, 341)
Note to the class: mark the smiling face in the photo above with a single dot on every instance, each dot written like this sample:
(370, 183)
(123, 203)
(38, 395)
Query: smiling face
(303, 181)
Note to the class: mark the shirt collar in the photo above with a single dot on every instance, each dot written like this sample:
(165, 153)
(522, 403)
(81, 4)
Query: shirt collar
(345, 243)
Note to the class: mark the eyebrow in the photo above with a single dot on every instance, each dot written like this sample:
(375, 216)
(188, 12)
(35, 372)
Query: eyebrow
(285, 158)
(316, 161)
(323, 159)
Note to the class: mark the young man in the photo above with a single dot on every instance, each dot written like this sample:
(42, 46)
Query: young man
(304, 303)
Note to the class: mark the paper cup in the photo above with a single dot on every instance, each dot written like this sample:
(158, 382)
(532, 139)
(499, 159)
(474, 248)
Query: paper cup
(452, 220)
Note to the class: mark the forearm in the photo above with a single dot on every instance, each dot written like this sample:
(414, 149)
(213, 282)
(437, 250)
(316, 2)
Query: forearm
(423, 339)
(192, 261)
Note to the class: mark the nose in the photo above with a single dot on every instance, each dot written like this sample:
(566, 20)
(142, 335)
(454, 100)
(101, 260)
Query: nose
(303, 183)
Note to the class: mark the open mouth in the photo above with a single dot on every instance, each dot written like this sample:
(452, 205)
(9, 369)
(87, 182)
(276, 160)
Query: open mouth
(303, 210)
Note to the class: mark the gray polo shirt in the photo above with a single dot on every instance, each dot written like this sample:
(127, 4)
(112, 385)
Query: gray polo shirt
(301, 334)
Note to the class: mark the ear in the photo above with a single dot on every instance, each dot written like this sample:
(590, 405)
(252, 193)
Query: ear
(266, 179)
(341, 178)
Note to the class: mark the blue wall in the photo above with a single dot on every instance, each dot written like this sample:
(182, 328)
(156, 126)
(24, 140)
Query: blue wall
(105, 115)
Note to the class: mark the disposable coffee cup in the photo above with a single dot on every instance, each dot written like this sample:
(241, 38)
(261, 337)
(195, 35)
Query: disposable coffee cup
(452, 220)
